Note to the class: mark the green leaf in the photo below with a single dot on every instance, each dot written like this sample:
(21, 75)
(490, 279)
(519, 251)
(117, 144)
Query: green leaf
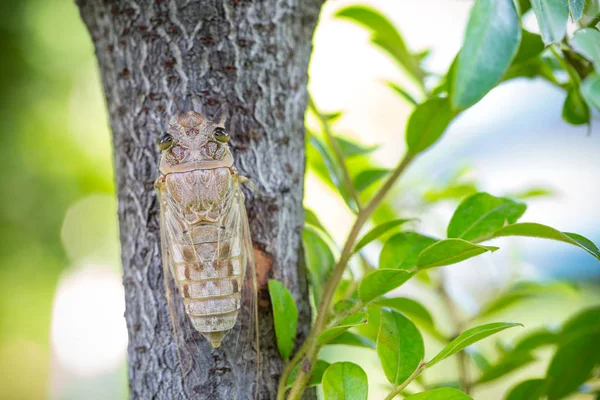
(332, 116)
(371, 328)
(352, 339)
(285, 315)
(533, 389)
(502, 347)
(399, 346)
(469, 337)
(491, 41)
(329, 334)
(585, 322)
(440, 394)
(454, 384)
(533, 68)
(533, 192)
(310, 218)
(523, 291)
(450, 74)
(587, 43)
(319, 260)
(402, 250)
(530, 229)
(479, 359)
(480, 215)
(572, 365)
(576, 7)
(376, 232)
(444, 86)
(381, 281)
(531, 46)
(345, 381)
(452, 191)
(552, 17)
(402, 93)
(450, 251)
(384, 35)
(368, 177)
(344, 304)
(350, 148)
(590, 90)
(316, 373)
(423, 54)
(427, 123)
(524, 6)
(410, 307)
(505, 366)
(346, 295)
(535, 340)
(335, 170)
(415, 311)
(591, 10)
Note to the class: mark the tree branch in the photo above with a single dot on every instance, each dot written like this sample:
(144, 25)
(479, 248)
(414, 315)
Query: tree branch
(312, 346)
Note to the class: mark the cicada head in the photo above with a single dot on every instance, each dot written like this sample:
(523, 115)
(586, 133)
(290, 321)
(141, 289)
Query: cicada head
(194, 142)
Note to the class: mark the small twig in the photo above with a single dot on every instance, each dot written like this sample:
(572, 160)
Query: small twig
(331, 140)
(398, 389)
(573, 75)
(312, 346)
(287, 370)
(346, 314)
(594, 21)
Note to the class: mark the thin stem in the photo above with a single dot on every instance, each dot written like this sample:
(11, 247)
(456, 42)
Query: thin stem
(287, 370)
(594, 21)
(573, 75)
(336, 150)
(362, 217)
(398, 389)
(346, 314)
(463, 371)
(463, 365)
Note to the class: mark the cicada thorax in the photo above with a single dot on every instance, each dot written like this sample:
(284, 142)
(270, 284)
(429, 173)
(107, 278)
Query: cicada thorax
(208, 257)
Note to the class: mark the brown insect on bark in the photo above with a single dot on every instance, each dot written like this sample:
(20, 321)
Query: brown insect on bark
(205, 237)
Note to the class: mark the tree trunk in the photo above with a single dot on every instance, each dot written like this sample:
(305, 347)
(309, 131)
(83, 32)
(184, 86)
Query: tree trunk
(155, 56)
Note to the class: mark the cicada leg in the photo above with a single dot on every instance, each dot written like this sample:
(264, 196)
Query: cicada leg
(244, 180)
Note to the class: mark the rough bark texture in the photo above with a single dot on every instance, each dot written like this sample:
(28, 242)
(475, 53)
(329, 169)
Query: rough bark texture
(155, 56)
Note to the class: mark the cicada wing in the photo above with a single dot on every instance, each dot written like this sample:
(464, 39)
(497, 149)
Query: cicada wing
(243, 343)
(191, 348)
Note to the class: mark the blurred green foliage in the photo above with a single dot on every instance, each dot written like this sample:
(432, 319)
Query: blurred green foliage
(56, 150)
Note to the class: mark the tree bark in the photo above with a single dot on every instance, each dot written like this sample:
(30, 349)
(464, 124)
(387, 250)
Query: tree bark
(155, 56)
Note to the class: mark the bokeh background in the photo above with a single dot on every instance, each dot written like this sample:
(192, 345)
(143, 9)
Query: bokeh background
(62, 332)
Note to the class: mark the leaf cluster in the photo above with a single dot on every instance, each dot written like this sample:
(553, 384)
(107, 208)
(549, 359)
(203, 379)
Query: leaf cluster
(359, 308)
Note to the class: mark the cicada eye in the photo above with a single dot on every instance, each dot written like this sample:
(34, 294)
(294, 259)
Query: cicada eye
(165, 141)
(221, 134)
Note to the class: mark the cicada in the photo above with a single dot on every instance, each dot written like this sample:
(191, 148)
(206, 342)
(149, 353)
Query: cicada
(205, 237)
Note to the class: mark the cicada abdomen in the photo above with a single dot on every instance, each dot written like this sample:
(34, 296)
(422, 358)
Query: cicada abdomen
(206, 245)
